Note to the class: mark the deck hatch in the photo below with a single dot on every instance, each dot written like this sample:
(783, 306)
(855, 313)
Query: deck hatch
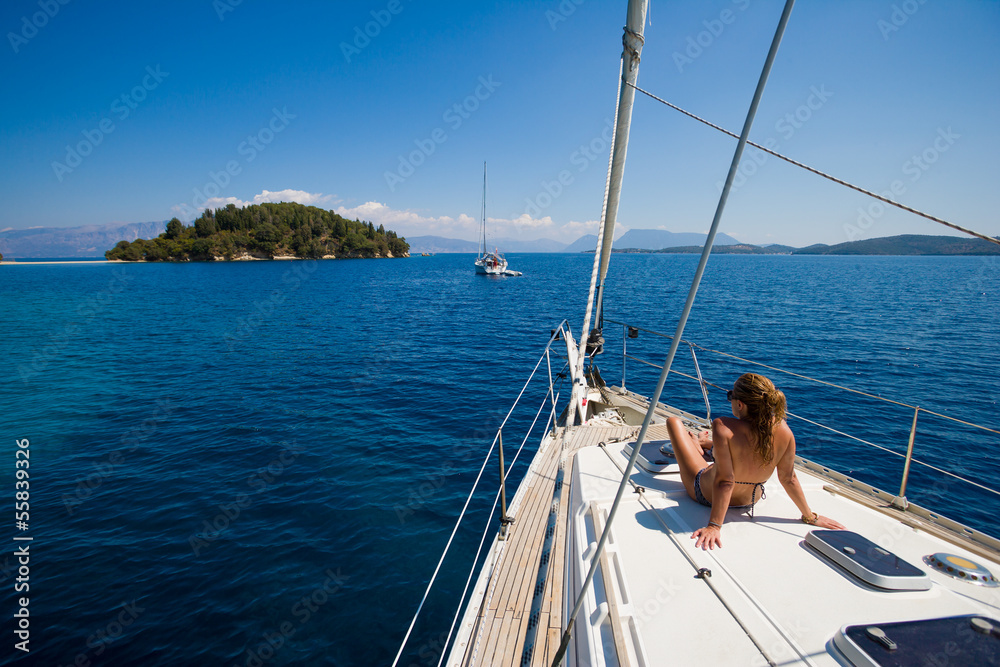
(868, 561)
(954, 640)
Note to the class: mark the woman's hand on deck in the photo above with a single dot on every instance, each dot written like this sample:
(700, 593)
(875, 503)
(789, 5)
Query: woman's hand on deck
(827, 522)
(708, 537)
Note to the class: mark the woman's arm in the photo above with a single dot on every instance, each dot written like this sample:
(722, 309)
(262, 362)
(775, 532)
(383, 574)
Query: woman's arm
(790, 482)
(722, 489)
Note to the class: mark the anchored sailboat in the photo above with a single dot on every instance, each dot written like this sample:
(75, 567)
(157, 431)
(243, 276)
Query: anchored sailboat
(488, 263)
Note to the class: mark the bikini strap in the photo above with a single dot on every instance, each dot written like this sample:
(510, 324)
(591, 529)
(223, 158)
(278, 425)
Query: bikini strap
(753, 495)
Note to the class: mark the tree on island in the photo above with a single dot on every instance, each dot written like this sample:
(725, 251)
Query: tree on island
(174, 228)
(266, 231)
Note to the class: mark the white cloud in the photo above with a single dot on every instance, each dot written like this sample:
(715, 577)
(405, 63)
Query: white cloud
(267, 196)
(406, 222)
(410, 223)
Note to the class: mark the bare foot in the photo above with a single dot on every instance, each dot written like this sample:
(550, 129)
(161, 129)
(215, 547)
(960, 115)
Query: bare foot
(704, 439)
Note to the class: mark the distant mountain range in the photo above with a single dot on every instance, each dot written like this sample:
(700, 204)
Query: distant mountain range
(906, 244)
(94, 240)
(440, 244)
(644, 239)
(88, 241)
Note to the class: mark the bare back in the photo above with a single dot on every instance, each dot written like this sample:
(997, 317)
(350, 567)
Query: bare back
(734, 451)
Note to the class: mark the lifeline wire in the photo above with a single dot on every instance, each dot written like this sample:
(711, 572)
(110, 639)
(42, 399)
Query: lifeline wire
(461, 514)
(820, 173)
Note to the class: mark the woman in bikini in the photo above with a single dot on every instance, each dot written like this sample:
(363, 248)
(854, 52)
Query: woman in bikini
(746, 451)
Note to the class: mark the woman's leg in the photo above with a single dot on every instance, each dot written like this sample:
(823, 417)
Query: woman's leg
(688, 453)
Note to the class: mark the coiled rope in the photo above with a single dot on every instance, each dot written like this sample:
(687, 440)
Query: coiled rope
(839, 181)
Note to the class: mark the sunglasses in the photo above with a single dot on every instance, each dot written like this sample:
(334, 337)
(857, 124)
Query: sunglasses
(730, 396)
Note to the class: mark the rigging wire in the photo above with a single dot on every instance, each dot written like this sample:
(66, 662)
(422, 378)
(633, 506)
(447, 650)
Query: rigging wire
(793, 374)
(837, 386)
(693, 292)
(820, 173)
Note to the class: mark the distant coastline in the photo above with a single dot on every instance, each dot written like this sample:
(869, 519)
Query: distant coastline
(264, 232)
(903, 245)
(35, 262)
(151, 242)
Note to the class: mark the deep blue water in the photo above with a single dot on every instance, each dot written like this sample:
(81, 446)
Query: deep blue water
(223, 455)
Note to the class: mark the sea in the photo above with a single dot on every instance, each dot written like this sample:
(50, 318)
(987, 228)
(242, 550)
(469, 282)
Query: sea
(260, 463)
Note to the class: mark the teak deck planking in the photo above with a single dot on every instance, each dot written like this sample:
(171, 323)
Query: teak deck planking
(503, 624)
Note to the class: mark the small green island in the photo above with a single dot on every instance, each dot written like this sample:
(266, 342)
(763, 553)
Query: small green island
(264, 231)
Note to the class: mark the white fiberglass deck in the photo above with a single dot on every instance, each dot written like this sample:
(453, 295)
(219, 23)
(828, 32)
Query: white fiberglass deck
(788, 596)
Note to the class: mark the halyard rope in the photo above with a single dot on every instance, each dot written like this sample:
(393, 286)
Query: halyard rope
(585, 332)
(820, 173)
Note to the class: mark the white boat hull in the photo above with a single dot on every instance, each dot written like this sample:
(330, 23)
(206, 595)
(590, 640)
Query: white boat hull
(491, 264)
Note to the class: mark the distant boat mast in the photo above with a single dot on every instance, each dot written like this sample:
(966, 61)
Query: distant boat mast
(483, 216)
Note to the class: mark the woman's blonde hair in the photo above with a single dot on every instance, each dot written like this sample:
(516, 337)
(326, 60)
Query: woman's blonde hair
(765, 408)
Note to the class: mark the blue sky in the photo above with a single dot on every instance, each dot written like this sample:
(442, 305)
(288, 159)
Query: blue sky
(128, 112)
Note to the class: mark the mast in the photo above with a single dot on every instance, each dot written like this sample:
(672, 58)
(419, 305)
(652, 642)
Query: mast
(665, 370)
(632, 41)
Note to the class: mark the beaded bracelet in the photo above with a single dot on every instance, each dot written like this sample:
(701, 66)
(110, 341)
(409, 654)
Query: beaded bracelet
(812, 521)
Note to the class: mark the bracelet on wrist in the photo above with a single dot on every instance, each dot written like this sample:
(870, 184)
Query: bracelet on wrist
(717, 525)
(810, 520)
